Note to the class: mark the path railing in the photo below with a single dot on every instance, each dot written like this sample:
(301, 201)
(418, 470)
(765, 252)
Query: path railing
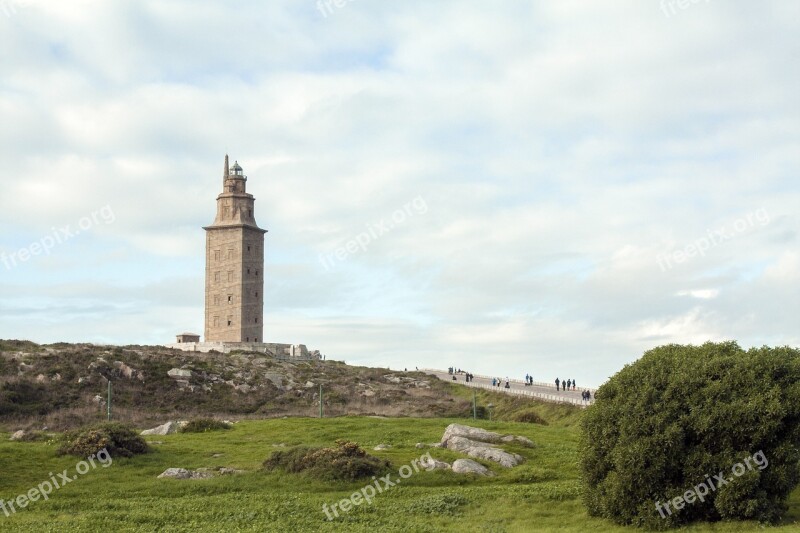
(530, 393)
(556, 398)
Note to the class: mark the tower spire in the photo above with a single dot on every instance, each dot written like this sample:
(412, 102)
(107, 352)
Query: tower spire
(227, 168)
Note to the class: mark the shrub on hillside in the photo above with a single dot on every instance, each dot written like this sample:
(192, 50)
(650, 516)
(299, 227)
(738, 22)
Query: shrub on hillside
(680, 416)
(344, 462)
(119, 440)
(530, 417)
(201, 425)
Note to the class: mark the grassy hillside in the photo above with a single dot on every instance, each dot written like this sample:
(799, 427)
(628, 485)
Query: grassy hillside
(540, 495)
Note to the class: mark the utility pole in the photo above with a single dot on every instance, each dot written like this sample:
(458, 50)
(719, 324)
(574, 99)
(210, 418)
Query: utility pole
(320, 401)
(474, 406)
(108, 403)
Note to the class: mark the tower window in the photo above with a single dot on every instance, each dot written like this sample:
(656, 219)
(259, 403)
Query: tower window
(230, 275)
(256, 320)
(216, 299)
(256, 273)
(230, 299)
(256, 295)
(216, 321)
(248, 271)
(216, 276)
(256, 340)
(216, 255)
(247, 339)
(248, 248)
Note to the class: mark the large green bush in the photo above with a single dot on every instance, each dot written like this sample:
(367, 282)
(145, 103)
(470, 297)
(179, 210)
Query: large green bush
(119, 440)
(682, 414)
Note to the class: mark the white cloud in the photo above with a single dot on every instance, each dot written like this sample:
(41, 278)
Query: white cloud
(560, 148)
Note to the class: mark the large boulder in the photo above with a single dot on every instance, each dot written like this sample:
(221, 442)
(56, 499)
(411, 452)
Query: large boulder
(164, 429)
(468, 466)
(457, 430)
(481, 444)
(484, 450)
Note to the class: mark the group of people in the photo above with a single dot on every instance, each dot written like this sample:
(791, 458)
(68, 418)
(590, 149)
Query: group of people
(565, 385)
(467, 375)
(497, 382)
(586, 396)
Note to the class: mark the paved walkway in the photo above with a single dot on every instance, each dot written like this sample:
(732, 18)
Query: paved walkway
(543, 391)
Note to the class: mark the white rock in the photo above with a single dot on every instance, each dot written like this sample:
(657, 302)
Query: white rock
(18, 435)
(457, 430)
(484, 450)
(429, 463)
(164, 429)
(182, 473)
(179, 373)
(468, 466)
(380, 447)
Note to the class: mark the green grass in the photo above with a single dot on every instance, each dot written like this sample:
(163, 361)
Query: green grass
(540, 495)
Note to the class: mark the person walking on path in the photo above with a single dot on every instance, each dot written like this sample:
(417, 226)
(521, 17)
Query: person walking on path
(557, 383)
(569, 382)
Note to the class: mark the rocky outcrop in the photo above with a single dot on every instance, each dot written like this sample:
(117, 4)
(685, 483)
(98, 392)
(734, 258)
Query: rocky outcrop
(457, 430)
(18, 435)
(468, 466)
(484, 450)
(482, 444)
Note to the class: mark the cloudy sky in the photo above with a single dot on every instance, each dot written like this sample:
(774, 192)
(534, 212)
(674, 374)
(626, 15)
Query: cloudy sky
(508, 187)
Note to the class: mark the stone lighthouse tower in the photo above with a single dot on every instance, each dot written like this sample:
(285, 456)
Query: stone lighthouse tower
(234, 265)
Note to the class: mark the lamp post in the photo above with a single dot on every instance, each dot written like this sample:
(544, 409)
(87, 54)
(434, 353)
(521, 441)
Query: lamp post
(490, 407)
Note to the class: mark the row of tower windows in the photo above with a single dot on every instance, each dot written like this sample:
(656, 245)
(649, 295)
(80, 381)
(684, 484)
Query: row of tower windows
(218, 275)
(231, 298)
(229, 254)
(229, 320)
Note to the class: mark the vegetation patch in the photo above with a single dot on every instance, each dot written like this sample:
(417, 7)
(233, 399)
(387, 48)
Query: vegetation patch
(682, 415)
(529, 416)
(119, 440)
(202, 425)
(347, 461)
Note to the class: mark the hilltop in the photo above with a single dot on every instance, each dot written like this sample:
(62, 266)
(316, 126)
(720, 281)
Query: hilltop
(65, 385)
